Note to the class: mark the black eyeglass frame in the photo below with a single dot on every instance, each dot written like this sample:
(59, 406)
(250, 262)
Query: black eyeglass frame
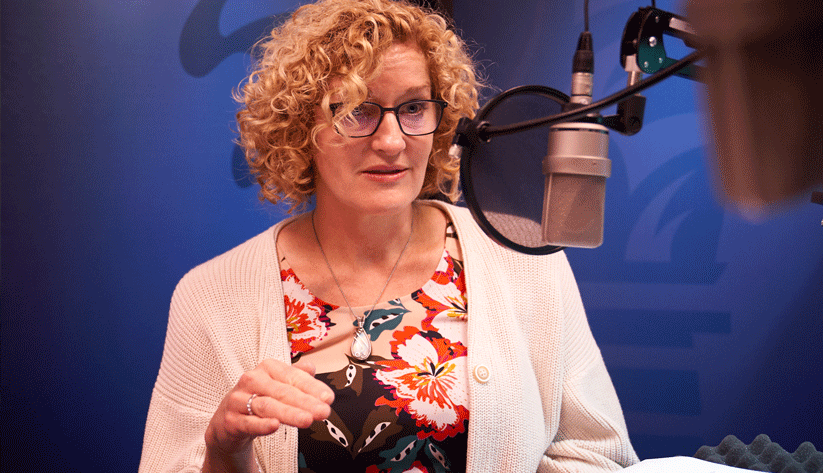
(443, 104)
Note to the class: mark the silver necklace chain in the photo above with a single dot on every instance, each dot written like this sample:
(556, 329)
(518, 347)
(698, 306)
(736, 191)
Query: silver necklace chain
(361, 320)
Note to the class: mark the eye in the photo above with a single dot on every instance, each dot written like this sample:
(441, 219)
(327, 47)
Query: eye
(364, 109)
(413, 108)
(359, 111)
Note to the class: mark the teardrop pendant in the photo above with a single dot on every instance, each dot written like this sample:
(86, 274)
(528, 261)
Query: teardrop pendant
(361, 345)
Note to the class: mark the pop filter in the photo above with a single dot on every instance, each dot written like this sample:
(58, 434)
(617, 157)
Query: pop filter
(503, 181)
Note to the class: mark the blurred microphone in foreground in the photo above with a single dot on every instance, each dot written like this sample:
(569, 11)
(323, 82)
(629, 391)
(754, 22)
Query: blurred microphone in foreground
(765, 96)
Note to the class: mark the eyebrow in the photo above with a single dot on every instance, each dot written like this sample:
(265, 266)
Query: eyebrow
(409, 91)
(419, 89)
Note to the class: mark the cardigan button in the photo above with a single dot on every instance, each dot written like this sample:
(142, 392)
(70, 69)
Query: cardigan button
(481, 373)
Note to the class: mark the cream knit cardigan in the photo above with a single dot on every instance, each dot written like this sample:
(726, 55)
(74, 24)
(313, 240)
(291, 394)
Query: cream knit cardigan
(547, 405)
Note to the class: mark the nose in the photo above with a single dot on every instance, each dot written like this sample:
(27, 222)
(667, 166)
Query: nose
(389, 139)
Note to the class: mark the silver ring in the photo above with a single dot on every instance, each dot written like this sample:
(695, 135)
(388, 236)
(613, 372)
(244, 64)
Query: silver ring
(248, 405)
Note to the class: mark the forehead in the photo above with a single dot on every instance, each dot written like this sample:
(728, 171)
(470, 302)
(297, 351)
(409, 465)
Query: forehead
(404, 71)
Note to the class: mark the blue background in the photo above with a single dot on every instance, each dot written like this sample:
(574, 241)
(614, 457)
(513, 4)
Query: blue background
(119, 174)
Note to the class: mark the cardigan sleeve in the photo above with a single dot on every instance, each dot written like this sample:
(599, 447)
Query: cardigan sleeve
(212, 338)
(185, 395)
(225, 317)
(592, 434)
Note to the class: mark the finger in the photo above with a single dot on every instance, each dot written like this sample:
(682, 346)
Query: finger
(297, 377)
(242, 424)
(231, 430)
(295, 398)
(267, 407)
(278, 400)
(260, 380)
(293, 406)
(325, 395)
(306, 366)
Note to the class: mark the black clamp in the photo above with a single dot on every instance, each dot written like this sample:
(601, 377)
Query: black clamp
(642, 48)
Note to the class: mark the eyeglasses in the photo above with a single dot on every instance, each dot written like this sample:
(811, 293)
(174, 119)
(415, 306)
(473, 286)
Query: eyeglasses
(415, 117)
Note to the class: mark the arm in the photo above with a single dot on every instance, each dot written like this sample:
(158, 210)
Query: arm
(592, 435)
(198, 414)
(185, 394)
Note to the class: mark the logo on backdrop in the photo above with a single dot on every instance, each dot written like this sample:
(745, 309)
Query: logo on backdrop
(203, 48)
(665, 228)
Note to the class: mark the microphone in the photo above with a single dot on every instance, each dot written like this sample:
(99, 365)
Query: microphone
(576, 166)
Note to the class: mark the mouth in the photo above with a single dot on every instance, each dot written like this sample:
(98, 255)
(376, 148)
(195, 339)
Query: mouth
(386, 174)
(384, 171)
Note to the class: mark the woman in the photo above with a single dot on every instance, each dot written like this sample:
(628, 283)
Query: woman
(379, 331)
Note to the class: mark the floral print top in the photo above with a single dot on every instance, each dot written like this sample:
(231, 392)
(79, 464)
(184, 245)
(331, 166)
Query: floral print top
(405, 408)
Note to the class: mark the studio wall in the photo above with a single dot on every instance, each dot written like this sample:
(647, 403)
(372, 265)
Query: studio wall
(119, 174)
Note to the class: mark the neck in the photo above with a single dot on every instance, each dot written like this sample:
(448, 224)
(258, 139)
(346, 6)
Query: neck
(363, 240)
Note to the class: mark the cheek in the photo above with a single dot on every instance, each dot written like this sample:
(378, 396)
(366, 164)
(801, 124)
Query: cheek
(328, 141)
(331, 147)
(425, 148)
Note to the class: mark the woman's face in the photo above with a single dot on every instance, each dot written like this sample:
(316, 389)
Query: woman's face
(383, 172)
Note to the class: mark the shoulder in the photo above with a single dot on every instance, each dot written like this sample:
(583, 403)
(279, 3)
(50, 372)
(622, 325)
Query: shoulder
(461, 218)
(234, 272)
(489, 263)
(475, 239)
(449, 209)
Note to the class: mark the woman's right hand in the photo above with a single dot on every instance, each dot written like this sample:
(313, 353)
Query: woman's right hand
(286, 394)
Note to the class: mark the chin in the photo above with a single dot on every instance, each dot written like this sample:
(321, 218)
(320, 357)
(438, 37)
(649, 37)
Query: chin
(386, 204)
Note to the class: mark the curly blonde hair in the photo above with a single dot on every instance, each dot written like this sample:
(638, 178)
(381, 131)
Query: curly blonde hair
(335, 48)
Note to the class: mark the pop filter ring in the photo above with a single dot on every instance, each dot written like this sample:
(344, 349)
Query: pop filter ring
(481, 131)
(465, 169)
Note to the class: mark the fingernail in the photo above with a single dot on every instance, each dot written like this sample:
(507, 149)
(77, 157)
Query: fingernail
(327, 397)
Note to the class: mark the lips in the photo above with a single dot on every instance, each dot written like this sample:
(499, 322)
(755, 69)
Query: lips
(386, 174)
(384, 170)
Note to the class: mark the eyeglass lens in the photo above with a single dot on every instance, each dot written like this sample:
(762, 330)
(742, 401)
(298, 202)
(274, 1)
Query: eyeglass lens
(417, 117)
